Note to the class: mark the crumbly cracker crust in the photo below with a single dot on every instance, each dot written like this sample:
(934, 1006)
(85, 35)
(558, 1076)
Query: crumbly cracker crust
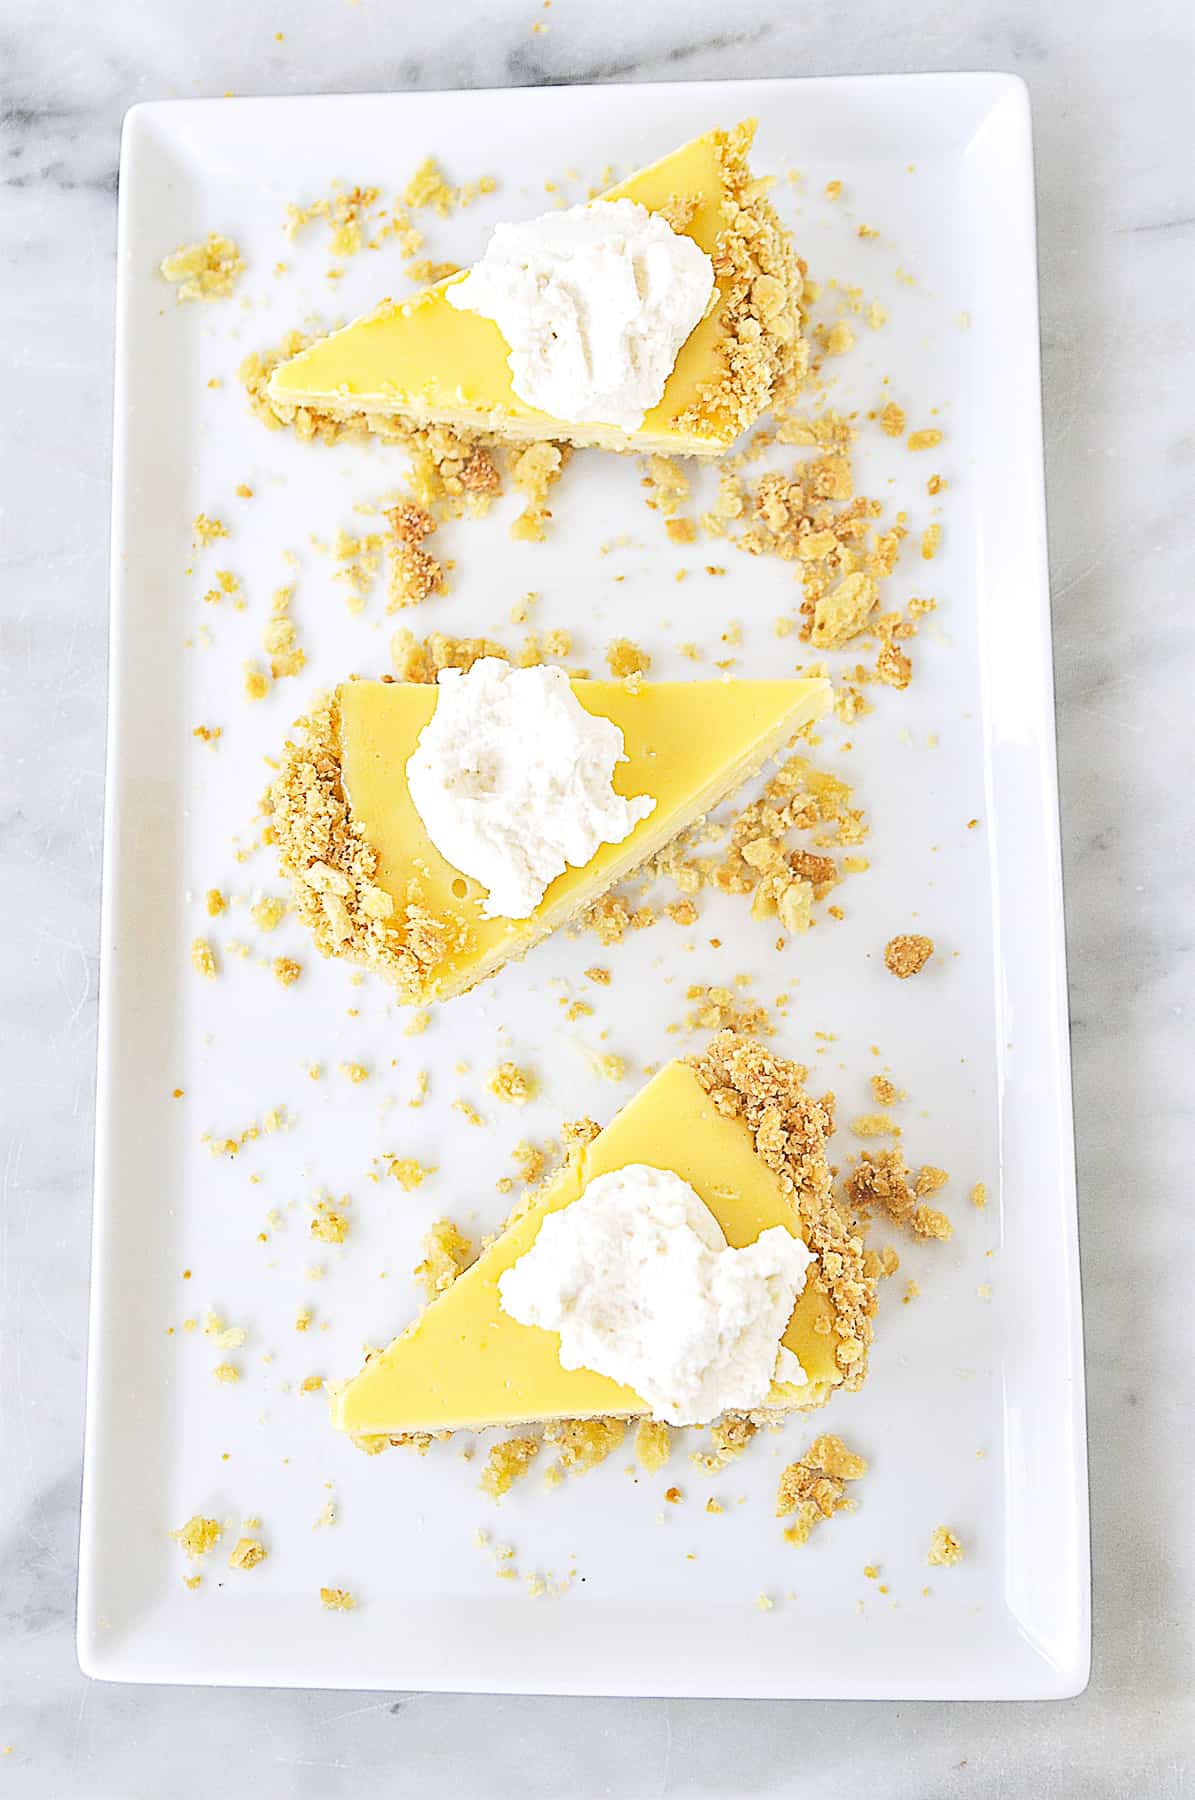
(331, 865)
(764, 354)
(746, 1080)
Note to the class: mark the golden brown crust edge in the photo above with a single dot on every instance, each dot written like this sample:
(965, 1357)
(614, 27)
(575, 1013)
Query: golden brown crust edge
(765, 355)
(332, 866)
(745, 1080)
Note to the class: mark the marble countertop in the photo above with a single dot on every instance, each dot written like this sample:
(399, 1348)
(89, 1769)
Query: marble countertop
(1112, 93)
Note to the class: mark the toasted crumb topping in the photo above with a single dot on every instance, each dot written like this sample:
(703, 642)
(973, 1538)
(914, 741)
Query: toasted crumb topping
(814, 1488)
(208, 270)
(885, 1091)
(979, 1194)
(247, 1553)
(215, 902)
(905, 954)
(924, 440)
(286, 970)
(335, 1599)
(653, 1444)
(790, 1129)
(507, 1463)
(446, 1251)
(944, 1549)
(198, 1535)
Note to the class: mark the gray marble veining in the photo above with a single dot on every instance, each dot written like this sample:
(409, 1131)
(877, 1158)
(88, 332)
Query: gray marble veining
(1112, 95)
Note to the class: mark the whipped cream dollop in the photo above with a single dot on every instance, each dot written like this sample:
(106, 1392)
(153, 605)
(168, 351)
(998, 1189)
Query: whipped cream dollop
(595, 303)
(639, 1281)
(513, 781)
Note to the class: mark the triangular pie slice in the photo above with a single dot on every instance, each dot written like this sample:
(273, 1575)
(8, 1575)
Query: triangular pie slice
(421, 361)
(372, 886)
(737, 1125)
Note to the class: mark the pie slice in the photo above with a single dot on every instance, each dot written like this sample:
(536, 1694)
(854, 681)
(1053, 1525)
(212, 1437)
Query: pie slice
(421, 361)
(737, 1125)
(371, 885)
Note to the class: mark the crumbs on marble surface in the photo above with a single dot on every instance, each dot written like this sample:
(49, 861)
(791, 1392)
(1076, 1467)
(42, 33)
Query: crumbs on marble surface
(907, 953)
(208, 270)
(446, 1252)
(814, 1487)
(268, 912)
(945, 1549)
(286, 970)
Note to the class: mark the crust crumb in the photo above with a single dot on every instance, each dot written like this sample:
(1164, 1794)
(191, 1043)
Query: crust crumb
(814, 1488)
(507, 1463)
(446, 1251)
(945, 1549)
(653, 1444)
(907, 953)
(208, 270)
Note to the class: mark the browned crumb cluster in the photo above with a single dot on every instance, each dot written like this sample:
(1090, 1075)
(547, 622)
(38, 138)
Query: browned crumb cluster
(782, 881)
(944, 1549)
(814, 1488)
(507, 1463)
(880, 1181)
(329, 1224)
(790, 1129)
(446, 1251)
(414, 573)
(907, 953)
(719, 1009)
(208, 270)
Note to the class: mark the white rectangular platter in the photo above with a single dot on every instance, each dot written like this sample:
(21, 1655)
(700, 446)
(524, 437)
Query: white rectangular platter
(973, 1412)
